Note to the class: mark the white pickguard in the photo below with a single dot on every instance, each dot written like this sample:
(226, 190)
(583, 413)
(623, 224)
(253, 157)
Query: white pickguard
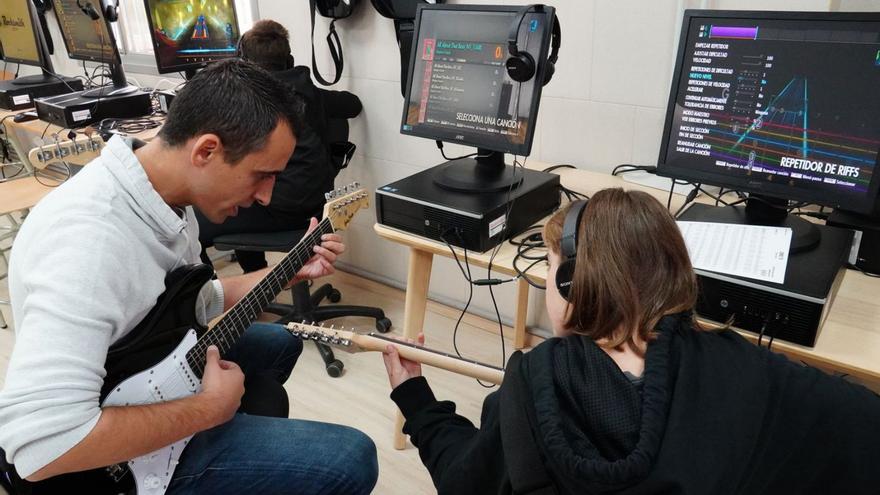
(171, 379)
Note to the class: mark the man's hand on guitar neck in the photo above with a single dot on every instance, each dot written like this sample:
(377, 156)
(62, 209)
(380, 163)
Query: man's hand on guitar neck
(320, 265)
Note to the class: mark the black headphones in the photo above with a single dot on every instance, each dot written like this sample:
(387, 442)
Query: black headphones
(108, 8)
(336, 9)
(521, 65)
(568, 246)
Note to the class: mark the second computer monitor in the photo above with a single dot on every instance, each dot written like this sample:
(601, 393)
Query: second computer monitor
(459, 90)
(188, 35)
(85, 38)
(17, 34)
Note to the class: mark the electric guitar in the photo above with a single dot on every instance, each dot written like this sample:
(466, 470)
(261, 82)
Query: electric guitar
(163, 358)
(355, 342)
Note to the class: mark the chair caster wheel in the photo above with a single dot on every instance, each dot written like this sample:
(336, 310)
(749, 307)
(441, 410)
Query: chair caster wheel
(334, 296)
(383, 325)
(334, 369)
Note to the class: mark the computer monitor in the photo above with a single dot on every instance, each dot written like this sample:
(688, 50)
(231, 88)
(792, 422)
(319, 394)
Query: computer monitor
(21, 41)
(458, 89)
(780, 105)
(92, 40)
(189, 35)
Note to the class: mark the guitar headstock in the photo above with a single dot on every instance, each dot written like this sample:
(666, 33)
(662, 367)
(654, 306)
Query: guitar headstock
(343, 203)
(342, 339)
(78, 151)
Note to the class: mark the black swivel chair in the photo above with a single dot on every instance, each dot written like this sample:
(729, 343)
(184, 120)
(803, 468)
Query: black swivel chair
(306, 306)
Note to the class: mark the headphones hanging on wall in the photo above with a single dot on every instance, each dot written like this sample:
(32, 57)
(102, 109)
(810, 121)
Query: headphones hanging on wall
(336, 9)
(521, 65)
(108, 7)
(568, 246)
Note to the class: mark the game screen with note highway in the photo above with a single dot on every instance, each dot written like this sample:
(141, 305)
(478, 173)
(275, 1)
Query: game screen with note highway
(192, 32)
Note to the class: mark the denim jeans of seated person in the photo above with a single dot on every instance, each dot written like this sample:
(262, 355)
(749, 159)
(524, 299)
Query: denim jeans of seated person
(268, 455)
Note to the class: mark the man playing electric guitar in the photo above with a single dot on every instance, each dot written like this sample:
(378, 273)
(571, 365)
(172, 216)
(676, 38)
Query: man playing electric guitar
(87, 268)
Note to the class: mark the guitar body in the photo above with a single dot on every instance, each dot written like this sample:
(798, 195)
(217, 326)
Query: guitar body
(146, 366)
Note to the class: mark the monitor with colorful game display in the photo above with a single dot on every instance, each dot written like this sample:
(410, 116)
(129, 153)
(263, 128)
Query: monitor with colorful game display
(188, 34)
(777, 104)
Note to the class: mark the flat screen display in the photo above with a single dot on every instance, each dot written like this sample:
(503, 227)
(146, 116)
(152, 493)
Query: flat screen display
(190, 33)
(777, 103)
(17, 36)
(458, 87)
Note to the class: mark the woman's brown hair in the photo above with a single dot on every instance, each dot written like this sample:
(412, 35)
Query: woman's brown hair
(632, 267)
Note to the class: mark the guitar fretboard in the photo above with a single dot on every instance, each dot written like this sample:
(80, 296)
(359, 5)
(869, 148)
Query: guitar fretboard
(230, 328)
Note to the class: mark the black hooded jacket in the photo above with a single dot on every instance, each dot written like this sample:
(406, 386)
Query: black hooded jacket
(716, 415)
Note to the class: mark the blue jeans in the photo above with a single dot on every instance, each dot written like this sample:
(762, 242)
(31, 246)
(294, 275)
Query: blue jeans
(265, 455)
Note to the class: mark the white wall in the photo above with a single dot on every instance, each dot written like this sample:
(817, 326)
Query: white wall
(605, 106)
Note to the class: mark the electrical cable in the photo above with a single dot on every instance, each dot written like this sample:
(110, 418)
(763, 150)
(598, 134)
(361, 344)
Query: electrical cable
(556, 167)
(440, 147)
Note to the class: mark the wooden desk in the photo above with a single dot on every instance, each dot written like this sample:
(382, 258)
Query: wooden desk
(849, 341)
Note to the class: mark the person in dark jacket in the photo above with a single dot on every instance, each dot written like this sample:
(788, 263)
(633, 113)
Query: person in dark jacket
(633, 396)
(299, 190)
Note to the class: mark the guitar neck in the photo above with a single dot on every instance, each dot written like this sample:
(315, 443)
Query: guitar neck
(232, 325)
(438, 359)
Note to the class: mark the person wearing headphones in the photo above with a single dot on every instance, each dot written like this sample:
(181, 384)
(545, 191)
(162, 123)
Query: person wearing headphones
(632, 395)
(299, 190)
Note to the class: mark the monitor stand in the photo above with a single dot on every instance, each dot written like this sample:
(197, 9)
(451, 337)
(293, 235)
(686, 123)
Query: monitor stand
(33, 80)
(484, 173)
(769, 211)
(120, 86)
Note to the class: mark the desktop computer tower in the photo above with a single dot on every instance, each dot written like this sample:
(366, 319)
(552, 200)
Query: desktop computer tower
(21, 96)
(793, 310)
(74, 110)
(474, 221)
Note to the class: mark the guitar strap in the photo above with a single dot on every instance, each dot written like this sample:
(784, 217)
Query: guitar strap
(525, 464)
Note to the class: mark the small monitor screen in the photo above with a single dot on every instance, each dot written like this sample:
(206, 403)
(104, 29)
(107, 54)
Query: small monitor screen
(17, 35)
(459, 90)
(85, 39)
(188, 34)
(783, 104)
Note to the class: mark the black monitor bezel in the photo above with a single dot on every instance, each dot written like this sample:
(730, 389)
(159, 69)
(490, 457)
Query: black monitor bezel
(111, 40)
(865, 205)
(37, 41)
(188, 66)
(449, 137)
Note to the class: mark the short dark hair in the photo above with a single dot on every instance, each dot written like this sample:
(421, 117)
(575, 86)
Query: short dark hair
(267, 44)
(236, 100)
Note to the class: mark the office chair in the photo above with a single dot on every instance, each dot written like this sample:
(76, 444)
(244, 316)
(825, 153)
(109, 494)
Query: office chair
(306, 306)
